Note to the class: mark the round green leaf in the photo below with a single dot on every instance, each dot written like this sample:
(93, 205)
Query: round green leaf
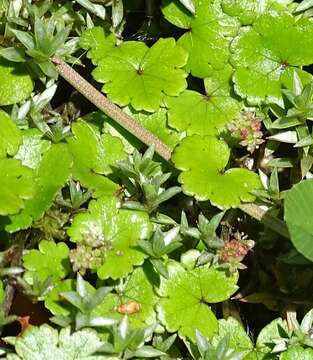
(94, 151)
(122, 228)
(247, 11)
(203, 161)
(274, 330)
(99, 42)
(299, 217)
(32, 148)
(137, 299)
(49, 177)
(45, 342)
(205, 114)
(297, 352)
(157, 124)
(55, 303)
(238, 338)
(265, 62)
(140, 76)
(207, 35)
(16, 83)
(93, 156)
(50, 260)
(16, 185)
(10, 136)
(186, 295)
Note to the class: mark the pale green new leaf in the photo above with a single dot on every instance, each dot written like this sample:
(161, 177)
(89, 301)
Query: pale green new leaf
(106, 222)
(202, 161)
(265, 62)
(299, 217)
(207, 34)
(137, 300)
(94, 154)
(10, 135)
(49, 177)
(205, 114)
(50, 260)
(44, 342)
(186, 295)
(137, 75)
(16, 185)
(16, 83)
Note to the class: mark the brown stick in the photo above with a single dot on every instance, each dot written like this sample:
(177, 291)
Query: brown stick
(131, 125)
(110, 109)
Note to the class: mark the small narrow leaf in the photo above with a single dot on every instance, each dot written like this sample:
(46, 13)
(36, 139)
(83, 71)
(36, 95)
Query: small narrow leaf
(189, 5)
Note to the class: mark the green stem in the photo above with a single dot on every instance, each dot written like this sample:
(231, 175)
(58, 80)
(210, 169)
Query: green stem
(150, 8)
(131, 125)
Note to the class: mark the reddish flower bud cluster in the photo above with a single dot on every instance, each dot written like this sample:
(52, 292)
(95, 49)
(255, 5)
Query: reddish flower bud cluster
(247, 128)
(234, 250)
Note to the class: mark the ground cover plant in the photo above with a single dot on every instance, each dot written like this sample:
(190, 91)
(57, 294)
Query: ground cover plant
(155, 179)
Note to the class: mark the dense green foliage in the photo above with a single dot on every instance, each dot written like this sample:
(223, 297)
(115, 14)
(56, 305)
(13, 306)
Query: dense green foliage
(112, 252)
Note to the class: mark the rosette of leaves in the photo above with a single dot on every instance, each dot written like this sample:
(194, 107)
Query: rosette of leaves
(94, 154)
(265, 63)
(127, 343)
(46, 39)
(207, 34)
(202, 161)
(50, 176)
(106, 224)
(206, 114)
(186, 297)
(16, 83)
(144, 181)
(44, 342)
(135, 298)
(138, 75)
(16, 180)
